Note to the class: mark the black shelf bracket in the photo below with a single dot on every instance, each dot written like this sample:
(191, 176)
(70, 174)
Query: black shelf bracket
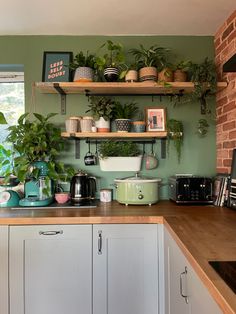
(63, 97)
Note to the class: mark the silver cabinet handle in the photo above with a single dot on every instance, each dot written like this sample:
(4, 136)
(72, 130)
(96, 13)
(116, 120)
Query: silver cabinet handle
(99, 242)
(181, 284)
(49, 233)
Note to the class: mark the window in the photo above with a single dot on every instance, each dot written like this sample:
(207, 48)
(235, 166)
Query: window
(12, 99)
(12, 105)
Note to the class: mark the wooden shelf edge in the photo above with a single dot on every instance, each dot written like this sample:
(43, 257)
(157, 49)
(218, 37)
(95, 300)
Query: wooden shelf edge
(79, 135)
(116, 88)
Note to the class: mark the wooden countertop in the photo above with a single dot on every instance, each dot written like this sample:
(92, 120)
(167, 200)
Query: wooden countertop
(203, 232)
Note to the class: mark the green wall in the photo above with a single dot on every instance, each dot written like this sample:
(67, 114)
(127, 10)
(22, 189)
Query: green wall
(198, 155)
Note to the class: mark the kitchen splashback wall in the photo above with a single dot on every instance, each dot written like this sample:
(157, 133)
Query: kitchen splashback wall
(225, 47)
(198, 155)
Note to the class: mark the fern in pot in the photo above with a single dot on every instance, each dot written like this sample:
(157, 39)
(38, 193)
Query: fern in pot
(102, 110)
(119, 156)
(123, 115)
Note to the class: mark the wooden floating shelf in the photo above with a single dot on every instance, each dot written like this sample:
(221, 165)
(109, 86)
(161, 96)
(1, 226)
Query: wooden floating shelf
(114, 135)
(118, 88)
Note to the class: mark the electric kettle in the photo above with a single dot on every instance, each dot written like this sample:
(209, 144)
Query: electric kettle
(82, 188)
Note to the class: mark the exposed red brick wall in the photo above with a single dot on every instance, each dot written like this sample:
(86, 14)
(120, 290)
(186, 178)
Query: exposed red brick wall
(225, 47)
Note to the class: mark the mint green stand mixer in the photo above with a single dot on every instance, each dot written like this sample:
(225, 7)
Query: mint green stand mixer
(9, 197)
(34, 188)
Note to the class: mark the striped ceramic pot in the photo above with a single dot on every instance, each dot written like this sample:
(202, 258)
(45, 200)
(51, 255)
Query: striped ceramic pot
(111, 74)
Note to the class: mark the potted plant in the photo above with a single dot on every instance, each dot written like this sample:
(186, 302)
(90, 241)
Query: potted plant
(34, 142)
(148, 60)
(202, 127)
(83, 65)
(165, 73)
(123, 115)
(175, 133)
(101, 109)
(180, 70)
(112, 62)
(119, 156)
(203, 75)
(131, 74)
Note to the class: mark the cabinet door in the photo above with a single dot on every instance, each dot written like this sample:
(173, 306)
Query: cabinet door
(186, 283)
(4, 269)
(201, 300)
(51, 269)
(176, 286)
(125, 269)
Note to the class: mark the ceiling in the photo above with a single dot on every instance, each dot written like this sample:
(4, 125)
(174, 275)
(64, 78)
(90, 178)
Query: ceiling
(114, 17)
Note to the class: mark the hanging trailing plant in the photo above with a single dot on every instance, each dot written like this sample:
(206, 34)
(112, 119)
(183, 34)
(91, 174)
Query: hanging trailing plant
(202, 127)
(175, 131)
(203, 75)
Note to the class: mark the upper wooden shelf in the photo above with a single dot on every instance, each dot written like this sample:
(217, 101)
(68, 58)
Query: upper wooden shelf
(118, 88)
(115, 135)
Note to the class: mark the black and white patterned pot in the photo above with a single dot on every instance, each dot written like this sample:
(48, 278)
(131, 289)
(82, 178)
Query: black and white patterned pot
(122, 125)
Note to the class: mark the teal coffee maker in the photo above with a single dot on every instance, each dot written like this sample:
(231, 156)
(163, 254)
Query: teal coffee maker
(38, 191)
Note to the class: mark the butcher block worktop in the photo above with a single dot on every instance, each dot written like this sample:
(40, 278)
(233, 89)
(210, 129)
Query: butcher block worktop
(204, 233)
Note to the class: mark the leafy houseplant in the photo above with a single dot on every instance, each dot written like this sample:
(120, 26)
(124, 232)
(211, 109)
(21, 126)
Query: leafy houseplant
(123, 115)
(175, 131)
(114, 148)
(33, 141)
(149, 60)
(112, 62)
(84, 66)
(180, 70)
(203, 76)
(101, 109)
(119, 156)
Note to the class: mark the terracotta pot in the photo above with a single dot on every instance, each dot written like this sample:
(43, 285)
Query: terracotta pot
(180, 76)
(166, 75)
(148, 74)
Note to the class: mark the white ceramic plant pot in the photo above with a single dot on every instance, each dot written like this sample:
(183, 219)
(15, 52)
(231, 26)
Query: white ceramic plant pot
(83, 74)
(131, 76)
(121, 163)
(102, 125)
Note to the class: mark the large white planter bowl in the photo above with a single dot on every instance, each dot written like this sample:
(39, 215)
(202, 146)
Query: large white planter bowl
(121, 163)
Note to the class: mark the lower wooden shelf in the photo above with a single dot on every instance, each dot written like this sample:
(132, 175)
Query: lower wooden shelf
(78, 135)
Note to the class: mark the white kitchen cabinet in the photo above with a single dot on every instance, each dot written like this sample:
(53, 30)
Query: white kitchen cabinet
(184, 291)
(125, 269)
(50, 269)
(4, 269)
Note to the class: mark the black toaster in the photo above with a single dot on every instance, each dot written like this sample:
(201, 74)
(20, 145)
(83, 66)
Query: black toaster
(189, 189)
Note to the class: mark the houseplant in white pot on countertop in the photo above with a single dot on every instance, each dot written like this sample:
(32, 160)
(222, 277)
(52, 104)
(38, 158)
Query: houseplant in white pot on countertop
(102, 110)
(119, 156)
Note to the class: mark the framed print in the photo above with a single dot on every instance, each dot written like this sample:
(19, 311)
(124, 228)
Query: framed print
(55, 66)
(155, 119)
